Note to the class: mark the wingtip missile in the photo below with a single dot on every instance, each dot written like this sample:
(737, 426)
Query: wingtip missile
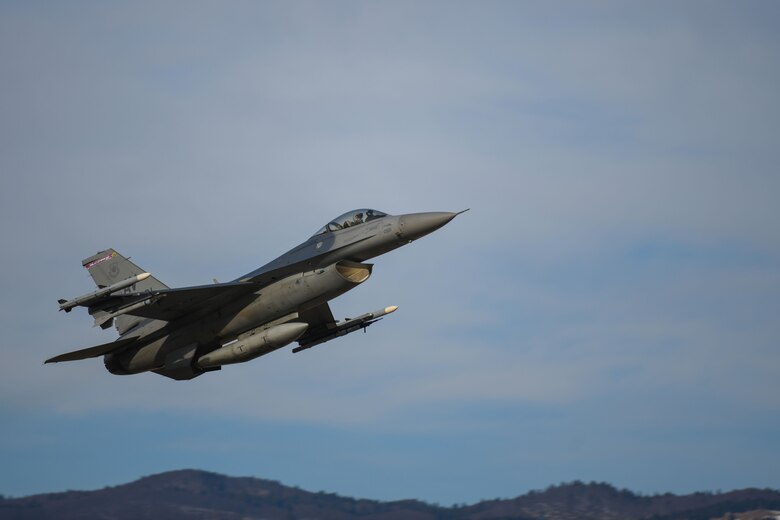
(93, 297)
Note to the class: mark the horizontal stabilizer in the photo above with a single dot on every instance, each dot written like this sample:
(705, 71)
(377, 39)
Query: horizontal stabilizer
(91, 352)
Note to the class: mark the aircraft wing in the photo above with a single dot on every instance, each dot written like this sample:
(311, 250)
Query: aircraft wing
(322, 326)
(170, 304)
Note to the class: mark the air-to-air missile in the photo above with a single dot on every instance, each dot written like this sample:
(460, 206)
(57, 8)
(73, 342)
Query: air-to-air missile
(345, 327)
(94, 297)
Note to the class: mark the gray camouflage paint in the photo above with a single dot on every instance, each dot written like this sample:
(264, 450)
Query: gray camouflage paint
(182, 333)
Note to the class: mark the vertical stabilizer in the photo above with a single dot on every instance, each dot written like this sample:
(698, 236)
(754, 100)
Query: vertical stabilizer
(109, 267)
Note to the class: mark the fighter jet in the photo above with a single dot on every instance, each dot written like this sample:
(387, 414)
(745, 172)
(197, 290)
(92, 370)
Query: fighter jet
(184, 332)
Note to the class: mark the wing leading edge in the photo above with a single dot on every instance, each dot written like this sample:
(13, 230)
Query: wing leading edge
(169, 304)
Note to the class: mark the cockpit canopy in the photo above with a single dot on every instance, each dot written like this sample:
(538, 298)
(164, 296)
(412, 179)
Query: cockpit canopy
(349, 219)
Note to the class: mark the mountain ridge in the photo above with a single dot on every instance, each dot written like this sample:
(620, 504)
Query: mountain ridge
(189, 493)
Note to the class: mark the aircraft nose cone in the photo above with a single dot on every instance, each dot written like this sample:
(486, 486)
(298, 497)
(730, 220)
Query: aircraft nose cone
(416, 225)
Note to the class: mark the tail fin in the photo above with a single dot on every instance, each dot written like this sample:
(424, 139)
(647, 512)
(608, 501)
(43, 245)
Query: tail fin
(109, 267)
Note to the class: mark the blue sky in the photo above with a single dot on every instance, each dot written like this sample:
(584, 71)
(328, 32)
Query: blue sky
(606, 311)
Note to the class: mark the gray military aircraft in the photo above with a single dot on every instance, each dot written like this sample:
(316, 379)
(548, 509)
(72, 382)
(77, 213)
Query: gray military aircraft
(184, 332)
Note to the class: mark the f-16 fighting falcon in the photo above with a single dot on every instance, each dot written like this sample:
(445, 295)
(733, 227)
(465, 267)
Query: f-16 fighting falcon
(184, 332)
